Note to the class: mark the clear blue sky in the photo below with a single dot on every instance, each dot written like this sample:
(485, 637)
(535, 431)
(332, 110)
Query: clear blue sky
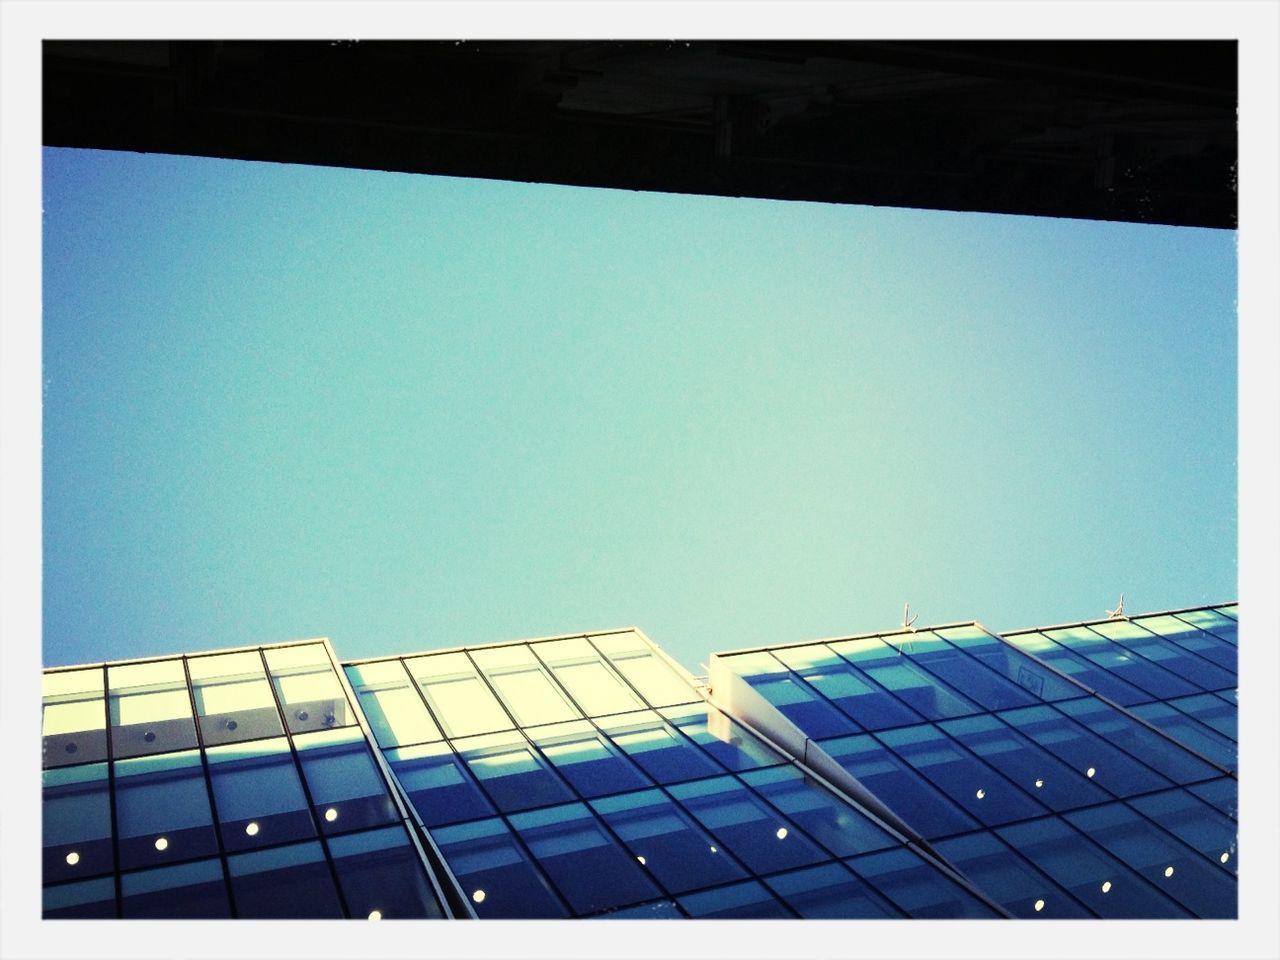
(410, 412)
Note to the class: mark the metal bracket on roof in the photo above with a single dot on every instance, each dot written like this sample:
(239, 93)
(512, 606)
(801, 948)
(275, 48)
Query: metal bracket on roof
(1118, 612)
(907, 621)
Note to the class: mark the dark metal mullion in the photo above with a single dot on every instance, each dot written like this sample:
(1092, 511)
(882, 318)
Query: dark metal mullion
(111, 794)
(208, 786)
(306, 788)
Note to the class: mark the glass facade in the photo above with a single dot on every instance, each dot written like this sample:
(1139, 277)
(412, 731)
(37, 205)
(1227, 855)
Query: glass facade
(1069, 772)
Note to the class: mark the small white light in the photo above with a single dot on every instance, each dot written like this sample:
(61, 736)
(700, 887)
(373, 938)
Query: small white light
(1039, 783)
(331, 814)
(980, 794)
(641, 859)
(1168, 871)
(1106, 886)
(1039, 905)
(1225, 857)
(1090, 772)
(251, 829)
(782, 833)
(375, 914)
(73, 858)
(478, 896)
(162, 843)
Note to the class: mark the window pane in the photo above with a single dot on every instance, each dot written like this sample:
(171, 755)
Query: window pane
(1191, 638)
(381, 874)
(587, 760)
(1129, 666)
(150, 709)
(1035, 770)
(725, 740)
(76, 822)
(759, 836)
(1221, 793)
(1156, 751)
(1079, 669)
(438, 785)
(391, 704)
(511, 772)
(233, 698)
(1166, 864)
(970, 783)
(258, 795)
(582, 860)
(836, 825)
(648, 673)
(461, 701)
(657, 748)
(1169, 655)
(1010, 662)
(75, 717)
(831, 892)
(1008, 879)
(1189, 732)
(346, 787)
(309, 690)
(1211, 711)
(284, 883)
(675, 849)
(898, 786)
(189, 891)
(916, 887)
(595, 687)
(1101, 882)
(1195, 823)
(803, 707)
(1084, 752)
(924, 693)
(90, 900)
(743, 901)
(532, 697)
(860, 698)
(970, 677)
(495, 872)
(162, 810)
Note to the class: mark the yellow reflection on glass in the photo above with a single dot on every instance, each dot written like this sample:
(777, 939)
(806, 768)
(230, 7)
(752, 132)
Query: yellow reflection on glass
(980, 794)
(1090, 772)
(73, 858)
(331, 814)
(1106, 886)
(251, 829)
(162, 843)
(478, 896)
(375, 914)
(1039, 905)
(1168, 871)
(782, 833)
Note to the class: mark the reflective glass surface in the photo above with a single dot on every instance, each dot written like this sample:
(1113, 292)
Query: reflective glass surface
(347, 791)
(1212, 711)
(922, 691)
(721, 737)
(1079, 668)
(258, 795)
(649, 674)
(460, 700)
(288, 883)
(1008, 879)
(739, 901)
(582, 670)
(438, 784)
(233, 698)
(869, 705)
(916, 887)
(530, 695)
(495, 872)
(187, 891)
(1189, 731)
(584, 757)
(150, 709)
(836, 825)
(1192, 638)
(162, 810)
(74, 724)
(971, 677)
(76, 823)
(511, 772)
(1173, 657)
(392, 704)
(1119, 661)
(381, 875)
(1011, 663)
(309, 690)
(1156, 751)
(1194, 822)
(831, 892)
(88, 900)
(659, 749)
(1222, 793)
(679, 853)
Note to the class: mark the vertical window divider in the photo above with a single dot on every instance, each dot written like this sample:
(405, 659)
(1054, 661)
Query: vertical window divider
(111, 794)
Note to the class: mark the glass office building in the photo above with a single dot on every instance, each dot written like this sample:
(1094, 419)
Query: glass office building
(1079, 771)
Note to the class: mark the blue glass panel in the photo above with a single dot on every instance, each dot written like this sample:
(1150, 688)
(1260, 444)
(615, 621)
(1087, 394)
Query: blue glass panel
(969, 676)
(76, 820)
(1212, 711)
(1008, 879)
(1102, 883)
(258, 795)
(1209, 619)
(587, 760)
(1034, 769)
(1222, 793)
(380, 872)
(860, 698)
(511, 772)
(1167, 864)
(1191, 638)
(741, 901)
(831, 892)
(917, 887)
(836, 825)
(1195, 823)
(1083, 751)
(1156, 751)
(582, 860)
(805, 709)
(725, 740)
(1128, 666)
(903, 790)
(346, 787)
(1080, 669)
(1186, 730)
(679, 853)
(657, 910)
(188, 891)
(495, 872)
(1006, 660)
(759, 836)
(162, 810)
(973, 785)
(438, 785)
(90, 900)
(658, 748)
(922, 692)
(1170, 656)
(284, 883)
